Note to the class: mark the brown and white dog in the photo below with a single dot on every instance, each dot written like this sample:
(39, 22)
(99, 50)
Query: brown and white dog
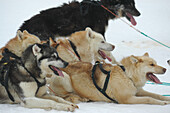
(18, 44)
(124, 87)
(90, 46)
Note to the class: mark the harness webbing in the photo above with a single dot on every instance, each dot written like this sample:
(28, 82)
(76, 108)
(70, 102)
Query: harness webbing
(6, 64)
(103, 91)
(74, 49)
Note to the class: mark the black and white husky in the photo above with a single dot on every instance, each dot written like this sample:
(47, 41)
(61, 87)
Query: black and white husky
(23, 79)
(76, 16)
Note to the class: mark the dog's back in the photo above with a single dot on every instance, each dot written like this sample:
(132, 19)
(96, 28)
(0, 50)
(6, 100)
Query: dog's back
(76, 16)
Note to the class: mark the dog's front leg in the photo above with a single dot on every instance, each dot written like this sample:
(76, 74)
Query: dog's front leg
(34, 102)
(143, 100)
(142, 92)
(58, 99)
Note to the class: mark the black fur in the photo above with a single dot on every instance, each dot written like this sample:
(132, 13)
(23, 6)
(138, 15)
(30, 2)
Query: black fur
(76, 16)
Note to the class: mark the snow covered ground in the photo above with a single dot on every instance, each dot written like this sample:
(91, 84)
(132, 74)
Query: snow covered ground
(154, 21)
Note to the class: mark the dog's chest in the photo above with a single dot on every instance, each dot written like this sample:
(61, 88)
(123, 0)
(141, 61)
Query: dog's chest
(29, 89)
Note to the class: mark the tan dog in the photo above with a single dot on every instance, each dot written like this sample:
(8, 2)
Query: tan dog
(22, 40)
(125, 87)
(90, 46)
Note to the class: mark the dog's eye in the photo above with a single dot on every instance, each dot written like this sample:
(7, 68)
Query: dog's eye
(102, 42)
(151, 64)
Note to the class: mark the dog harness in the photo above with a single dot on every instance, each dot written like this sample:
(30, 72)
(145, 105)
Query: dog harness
(73, 47)
(103, 91)
(5, 66)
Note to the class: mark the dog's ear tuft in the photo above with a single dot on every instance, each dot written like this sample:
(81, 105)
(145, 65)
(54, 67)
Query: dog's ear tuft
(146, 54)
(25, 32)
(51, 41)
(19, 35)
(36, 50)
(89, 32)
(133, 59)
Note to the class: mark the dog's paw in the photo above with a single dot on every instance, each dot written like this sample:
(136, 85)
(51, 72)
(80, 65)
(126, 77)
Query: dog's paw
(74, 105)
(84, 100)
(165, 102)
(65, 107)
(70, 108)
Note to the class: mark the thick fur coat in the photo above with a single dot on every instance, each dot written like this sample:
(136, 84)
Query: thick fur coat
(76, 16)
(124, 87)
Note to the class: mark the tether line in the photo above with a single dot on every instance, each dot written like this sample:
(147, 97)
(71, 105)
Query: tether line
(135, 28)
(163, 84)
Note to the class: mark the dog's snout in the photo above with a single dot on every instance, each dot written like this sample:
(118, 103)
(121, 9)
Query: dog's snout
(113, 47)
(164, 70)
(138, 13)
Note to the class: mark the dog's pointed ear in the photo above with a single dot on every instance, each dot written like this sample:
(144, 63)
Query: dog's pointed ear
(146, 54)
(36, 50)
(133, 59)
(89, 32)
(25, 32)
(19, 35)
(51, 41)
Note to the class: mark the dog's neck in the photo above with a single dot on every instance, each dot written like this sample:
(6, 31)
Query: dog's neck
(135, 75)
(30, 63)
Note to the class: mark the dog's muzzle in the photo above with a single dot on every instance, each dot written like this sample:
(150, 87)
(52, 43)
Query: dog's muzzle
(56, 71)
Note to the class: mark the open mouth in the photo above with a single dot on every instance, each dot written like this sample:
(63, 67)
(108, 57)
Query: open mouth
(153, 78)
(56, 70)
(104, 56)
(131, 18)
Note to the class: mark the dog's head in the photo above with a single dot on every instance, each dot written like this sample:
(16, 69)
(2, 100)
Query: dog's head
(26, 39)
(22, 40)
(143, 68)
(98, 43)
(48, 60)
(123, 8)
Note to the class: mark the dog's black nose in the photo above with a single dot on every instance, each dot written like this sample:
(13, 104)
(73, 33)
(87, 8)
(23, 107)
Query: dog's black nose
(164, 70)
(136, 13)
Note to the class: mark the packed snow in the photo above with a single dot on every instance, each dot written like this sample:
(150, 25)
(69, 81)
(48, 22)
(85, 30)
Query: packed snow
(154, 21)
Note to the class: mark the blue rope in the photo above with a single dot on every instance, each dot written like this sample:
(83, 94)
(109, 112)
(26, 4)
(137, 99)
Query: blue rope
(135, 28)
(154, 40)
(163, 84)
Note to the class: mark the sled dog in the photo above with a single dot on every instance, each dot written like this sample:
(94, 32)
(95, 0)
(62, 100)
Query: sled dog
(18, 44)
(23, 79)
(124, 86)
(90, 47)
(76, 16)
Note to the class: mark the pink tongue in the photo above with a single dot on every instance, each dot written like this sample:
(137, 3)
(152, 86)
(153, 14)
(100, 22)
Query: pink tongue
(155, 79)
(104, 55)
(131, 19)
(59, 71)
